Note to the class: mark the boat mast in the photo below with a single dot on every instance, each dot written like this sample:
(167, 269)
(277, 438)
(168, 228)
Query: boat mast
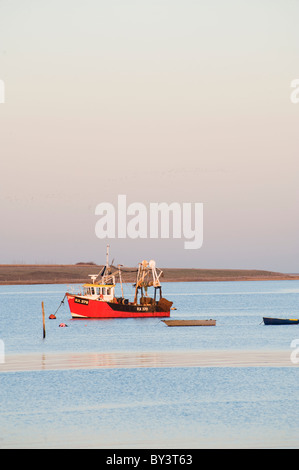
(156, 276)
(105, 274)
(137, 284)
(120, 279)
(144, 269)
(107, 257)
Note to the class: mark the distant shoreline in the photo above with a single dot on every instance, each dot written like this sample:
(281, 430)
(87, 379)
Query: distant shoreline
(20, 274)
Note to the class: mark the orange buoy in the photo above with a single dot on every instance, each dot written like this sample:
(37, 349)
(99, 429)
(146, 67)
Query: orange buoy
(52, 317)
(62, 325)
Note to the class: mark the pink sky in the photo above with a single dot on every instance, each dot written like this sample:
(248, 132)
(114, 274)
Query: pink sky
(164, 101)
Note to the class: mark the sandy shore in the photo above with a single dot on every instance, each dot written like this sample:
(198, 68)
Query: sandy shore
(117, 360)
(17, 274)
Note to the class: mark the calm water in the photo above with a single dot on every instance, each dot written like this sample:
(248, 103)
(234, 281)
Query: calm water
(160, 407)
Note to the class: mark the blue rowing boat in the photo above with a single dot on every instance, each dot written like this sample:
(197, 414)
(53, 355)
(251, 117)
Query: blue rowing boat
(280, 321)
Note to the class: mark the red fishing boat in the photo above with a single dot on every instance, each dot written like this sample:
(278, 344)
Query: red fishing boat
(98, 299)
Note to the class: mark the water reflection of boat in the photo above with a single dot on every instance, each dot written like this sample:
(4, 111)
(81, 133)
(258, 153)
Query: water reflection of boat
(280, 321)
(98, 299)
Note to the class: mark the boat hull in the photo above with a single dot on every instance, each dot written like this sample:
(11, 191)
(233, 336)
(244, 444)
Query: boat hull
(190, 322)
(88, 308)
(280, 321)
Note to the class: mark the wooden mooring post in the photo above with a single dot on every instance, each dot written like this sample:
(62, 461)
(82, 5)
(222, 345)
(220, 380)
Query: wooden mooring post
(44, 325)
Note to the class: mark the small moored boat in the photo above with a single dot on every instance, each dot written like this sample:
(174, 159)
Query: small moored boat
(280, 321)
(190, 322)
